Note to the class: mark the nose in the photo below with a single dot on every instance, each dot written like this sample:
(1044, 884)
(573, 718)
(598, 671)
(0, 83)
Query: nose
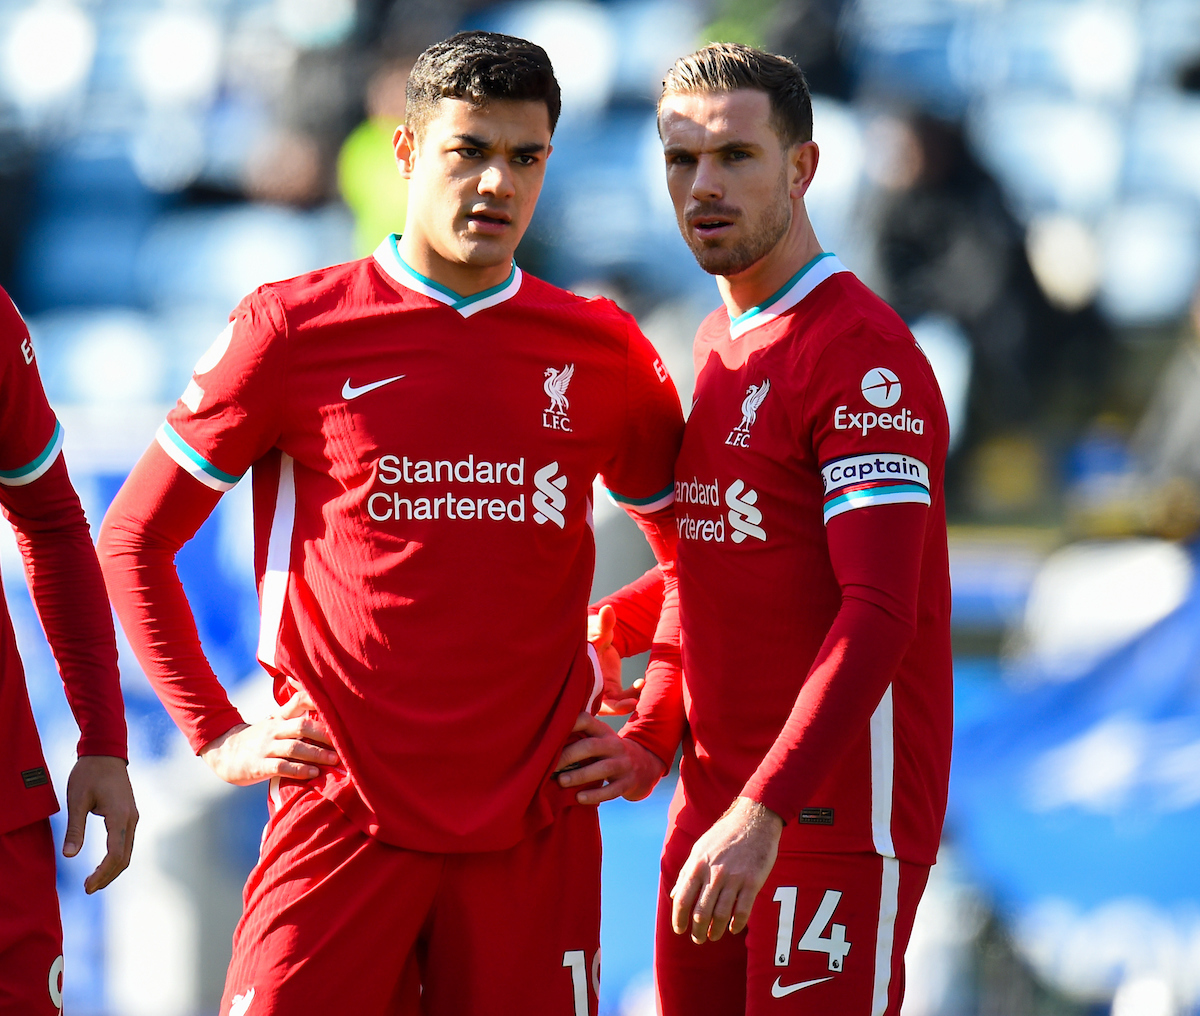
(706, 184)
(497, 181)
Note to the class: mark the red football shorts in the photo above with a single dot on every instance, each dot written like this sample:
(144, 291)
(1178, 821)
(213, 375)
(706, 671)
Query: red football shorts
(31, 962)
(826, 938)
(336, 922)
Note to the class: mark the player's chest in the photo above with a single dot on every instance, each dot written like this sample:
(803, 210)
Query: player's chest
(496, 401)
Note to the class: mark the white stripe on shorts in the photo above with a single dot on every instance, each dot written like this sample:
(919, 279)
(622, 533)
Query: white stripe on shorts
(889, 904)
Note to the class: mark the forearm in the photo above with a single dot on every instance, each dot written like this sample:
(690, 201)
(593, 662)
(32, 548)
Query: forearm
(157, 510)
(842, 690)
(68, 593)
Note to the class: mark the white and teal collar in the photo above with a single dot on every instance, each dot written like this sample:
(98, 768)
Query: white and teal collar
(793, 291)
(387, 255)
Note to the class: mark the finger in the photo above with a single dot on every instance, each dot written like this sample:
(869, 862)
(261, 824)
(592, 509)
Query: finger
(289, 770)
(296, 706)
(621, 708)
(741, 911)
(302, 751)
(702, 912)
(312, 729)
(607, 619)
(723, 911)
(79, 803)
(602, 770)
(687, 886)
(115, 860)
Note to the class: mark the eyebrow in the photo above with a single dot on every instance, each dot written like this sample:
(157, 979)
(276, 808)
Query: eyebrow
(729, 146)
(528, 148)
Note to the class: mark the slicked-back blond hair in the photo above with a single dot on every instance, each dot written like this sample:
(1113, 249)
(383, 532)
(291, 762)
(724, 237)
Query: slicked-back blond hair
(730, 66)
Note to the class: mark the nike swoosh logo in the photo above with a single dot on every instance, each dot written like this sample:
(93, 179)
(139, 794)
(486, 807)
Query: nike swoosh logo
(779, 990)
(350, 392)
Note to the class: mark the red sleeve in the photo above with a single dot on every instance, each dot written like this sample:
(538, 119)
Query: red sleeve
(641, 475)
(156, 512)
(876, 556)
(227, 418)
(56, 545)
(638, 606)
(880, 458)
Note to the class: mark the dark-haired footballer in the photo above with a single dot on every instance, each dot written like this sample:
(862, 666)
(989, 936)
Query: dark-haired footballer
(423, 428)
(815, 701)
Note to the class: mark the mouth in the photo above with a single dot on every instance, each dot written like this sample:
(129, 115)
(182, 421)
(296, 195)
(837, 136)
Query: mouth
(488, 221)
(710, 226)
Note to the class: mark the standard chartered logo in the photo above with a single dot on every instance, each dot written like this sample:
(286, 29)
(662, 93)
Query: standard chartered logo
(549, 499)
(744, 518)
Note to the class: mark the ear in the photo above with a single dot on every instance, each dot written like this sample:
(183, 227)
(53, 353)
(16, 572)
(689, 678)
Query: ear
(404, 142)
(803, 158)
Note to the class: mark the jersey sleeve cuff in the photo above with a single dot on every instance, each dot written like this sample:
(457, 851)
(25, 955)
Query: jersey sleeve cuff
(39, 466)
(103, 746)
(644, 505)
(202, 734)
(191, 461)
(659, 747)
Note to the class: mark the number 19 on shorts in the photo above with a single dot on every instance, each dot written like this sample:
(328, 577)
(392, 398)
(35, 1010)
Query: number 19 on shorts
(576, 961)
(834, 945)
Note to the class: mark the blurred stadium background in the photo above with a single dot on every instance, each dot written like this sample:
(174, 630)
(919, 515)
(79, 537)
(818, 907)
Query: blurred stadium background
(1020, 178)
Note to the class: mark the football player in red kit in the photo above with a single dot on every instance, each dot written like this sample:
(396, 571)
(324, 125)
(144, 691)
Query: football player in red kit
(68, 592)
(423, 428)
(815, 703)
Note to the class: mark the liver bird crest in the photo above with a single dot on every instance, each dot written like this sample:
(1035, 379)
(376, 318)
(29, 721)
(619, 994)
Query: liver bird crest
(555, 386)
(755, 395)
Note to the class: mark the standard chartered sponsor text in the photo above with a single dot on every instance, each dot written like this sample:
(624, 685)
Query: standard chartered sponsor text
(383, 506)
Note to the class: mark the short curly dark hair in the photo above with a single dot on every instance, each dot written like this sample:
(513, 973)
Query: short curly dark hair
(729, 66)
(478, 66)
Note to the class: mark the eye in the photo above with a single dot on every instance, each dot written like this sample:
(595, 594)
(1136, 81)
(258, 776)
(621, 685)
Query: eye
(526, 160)
(680, 159)
(468, 153)
(737, 155)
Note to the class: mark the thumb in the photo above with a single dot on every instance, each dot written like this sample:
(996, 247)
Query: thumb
(608, 624)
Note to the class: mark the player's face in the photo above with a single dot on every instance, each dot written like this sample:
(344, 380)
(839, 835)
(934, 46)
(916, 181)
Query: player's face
(731, 180)
(474, 178)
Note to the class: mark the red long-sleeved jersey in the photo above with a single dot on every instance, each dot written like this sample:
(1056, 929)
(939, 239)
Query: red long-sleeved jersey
(813, 577)
(68, 592)
(423, 467)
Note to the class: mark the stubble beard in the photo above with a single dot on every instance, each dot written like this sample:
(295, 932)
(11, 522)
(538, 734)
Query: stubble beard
(771, 227)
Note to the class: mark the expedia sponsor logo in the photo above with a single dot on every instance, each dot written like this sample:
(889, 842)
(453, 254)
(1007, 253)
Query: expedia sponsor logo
(866, 422)
(502, 483)
(881, 387)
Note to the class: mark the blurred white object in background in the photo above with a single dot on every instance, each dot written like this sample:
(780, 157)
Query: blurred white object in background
(937, 965)
(48, 53)
(113, 359)
(948, 350)
(1144, 996)
(1127, 944)
(1088, 599)
(578, 37)
(1150, 258)
(831, 197)
(313, 24)
(177, 58)
(638, 998)
(1164, 145)
(168, 151)
(1099, 51)
(1065, 259)
(1050, 153)
(653, 36)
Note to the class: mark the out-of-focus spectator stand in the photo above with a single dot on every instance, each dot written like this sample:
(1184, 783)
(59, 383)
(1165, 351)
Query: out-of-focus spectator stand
(1019, 177)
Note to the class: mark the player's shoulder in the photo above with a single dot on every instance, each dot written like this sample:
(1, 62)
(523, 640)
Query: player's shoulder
(853, 322)
(597, 315)
(324, 297)
(14, 333)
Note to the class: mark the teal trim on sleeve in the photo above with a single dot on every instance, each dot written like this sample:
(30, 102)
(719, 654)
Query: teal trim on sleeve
(199, 461)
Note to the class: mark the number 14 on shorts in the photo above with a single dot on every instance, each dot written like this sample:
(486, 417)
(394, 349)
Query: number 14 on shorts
(834, 945)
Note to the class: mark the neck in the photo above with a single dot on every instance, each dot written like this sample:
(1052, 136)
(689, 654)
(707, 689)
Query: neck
(764, 278)
(464, 279)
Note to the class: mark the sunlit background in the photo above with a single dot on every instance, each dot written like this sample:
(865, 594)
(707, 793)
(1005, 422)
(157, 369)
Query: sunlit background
(1020, 179)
